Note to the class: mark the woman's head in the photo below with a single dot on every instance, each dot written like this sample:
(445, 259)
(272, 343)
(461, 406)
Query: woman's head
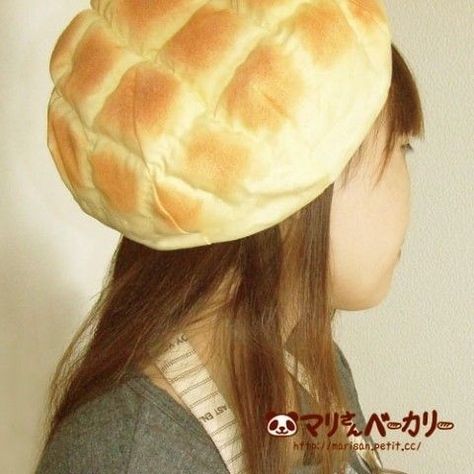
(371, 201)
(151, 295)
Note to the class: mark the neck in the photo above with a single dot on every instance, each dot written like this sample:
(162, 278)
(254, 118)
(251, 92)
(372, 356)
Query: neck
(200, 335)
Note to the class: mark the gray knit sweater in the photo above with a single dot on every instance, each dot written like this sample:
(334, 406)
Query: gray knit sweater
(138, 428)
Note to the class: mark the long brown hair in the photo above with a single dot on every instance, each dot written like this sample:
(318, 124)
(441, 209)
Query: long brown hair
(149, 296)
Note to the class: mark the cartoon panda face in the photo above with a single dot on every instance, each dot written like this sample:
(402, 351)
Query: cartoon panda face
(282, 425)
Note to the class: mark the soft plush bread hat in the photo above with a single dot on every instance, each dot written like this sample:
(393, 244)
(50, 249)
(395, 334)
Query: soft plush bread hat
(181, 123)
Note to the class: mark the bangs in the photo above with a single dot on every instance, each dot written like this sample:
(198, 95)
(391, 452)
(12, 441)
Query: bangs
(402, 114)
(403, 111)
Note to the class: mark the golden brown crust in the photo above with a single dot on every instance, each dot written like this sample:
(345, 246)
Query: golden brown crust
(182, 123)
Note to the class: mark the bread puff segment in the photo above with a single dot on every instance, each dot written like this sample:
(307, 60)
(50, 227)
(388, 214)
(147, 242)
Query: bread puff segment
(181, 123)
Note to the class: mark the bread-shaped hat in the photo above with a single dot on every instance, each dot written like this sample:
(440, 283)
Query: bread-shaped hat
(181, 123)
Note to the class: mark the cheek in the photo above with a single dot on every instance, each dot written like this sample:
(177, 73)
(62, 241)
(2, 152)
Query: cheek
(358, 261)
(367, 229)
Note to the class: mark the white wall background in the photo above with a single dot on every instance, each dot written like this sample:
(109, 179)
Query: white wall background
(413, 352)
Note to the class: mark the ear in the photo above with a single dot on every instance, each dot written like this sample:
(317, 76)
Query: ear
(269, 415)
(293, 415)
